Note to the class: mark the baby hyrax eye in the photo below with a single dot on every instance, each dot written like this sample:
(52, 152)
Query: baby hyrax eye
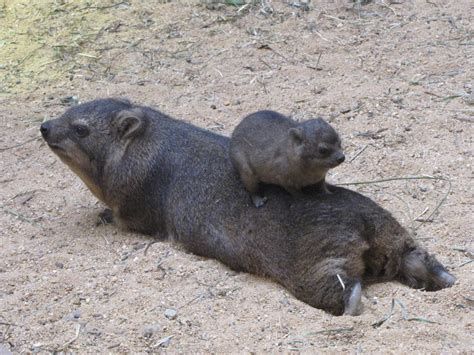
(324, 151)
(81, 131)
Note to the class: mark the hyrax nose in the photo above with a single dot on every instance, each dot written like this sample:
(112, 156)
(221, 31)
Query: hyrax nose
(341, 158)
(45, 129)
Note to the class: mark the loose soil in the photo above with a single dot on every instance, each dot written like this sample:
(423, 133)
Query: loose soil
(395, 80)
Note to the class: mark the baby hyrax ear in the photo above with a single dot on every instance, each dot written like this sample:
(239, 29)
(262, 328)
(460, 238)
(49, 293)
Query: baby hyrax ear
(130, 123)
(296, 135)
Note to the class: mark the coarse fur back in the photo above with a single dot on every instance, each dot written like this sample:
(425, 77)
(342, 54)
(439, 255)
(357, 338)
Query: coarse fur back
(165, 177)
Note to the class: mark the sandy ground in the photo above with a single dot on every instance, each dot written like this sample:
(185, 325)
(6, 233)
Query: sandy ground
(395, 80)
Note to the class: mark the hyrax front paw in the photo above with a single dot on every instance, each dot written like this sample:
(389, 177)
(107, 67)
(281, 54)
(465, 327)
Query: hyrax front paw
(105, 217)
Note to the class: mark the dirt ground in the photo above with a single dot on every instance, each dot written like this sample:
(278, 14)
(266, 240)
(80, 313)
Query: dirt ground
(395, 80)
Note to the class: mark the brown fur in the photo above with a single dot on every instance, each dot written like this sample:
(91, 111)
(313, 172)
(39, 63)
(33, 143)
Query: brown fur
(165, 177)
(274, 149)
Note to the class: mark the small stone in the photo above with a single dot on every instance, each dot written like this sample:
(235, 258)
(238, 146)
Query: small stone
(171, 313)
(397, 99)
(149, 330)
(77, 302)
(59, 265)
(163, 342)
(93, 331)
(469, 99)
(4, 350)
(74, 315)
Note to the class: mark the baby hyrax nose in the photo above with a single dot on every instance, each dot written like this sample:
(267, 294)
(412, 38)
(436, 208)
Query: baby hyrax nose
(340, 158)
(44, 129)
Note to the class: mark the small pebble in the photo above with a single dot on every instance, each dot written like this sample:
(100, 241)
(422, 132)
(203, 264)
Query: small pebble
(163, 342)
(74, 315)
(171, 313)
(397, 99)
(149, 330)
(4, 350)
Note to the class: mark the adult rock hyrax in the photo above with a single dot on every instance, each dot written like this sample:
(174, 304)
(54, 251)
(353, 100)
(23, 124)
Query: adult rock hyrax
(271, 148)
(165, 177)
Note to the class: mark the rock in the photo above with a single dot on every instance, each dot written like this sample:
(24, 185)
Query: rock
(469, 99)
(74, 315)
(397, 99)
(93, 330)
(171, 313)
(70, 100)
(164, 342)
(4, 350)
(149, 330)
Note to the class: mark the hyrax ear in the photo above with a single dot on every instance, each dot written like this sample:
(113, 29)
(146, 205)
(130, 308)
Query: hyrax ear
(296, 135)
(130, 123)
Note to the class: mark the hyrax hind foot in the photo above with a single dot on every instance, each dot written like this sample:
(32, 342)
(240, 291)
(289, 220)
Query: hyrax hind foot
(105, 217)
(258, 201)
(422, 270)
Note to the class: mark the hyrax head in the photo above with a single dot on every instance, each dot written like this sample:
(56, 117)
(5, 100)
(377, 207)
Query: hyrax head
(87, 136)
(316, 144)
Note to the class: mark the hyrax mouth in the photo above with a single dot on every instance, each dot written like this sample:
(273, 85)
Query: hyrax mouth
(55, 146)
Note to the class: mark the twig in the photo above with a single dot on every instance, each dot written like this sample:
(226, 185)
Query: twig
(105, 7)
(322, 37)
(359, 153)
(421, 177)
(422, 213)
(404, 315)
(426, 177)
(371, 134)
(389, 7)
(319, 58)
(468, 252)
(333, 331)
(385, 317)
(465, 119)
(443, 199)
(68, 343)
(19, 144)
(341, 282)
(19, 216)
(466, 262)
(106, 240)
(148, 246)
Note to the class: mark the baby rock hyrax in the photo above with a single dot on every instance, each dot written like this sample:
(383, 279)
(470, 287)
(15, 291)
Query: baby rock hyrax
(271, 148)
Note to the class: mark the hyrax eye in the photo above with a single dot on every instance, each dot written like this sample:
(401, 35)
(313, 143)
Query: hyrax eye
(81, 131)
(323, 151)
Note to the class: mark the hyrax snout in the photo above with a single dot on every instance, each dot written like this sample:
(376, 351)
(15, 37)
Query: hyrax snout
(271, 148)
